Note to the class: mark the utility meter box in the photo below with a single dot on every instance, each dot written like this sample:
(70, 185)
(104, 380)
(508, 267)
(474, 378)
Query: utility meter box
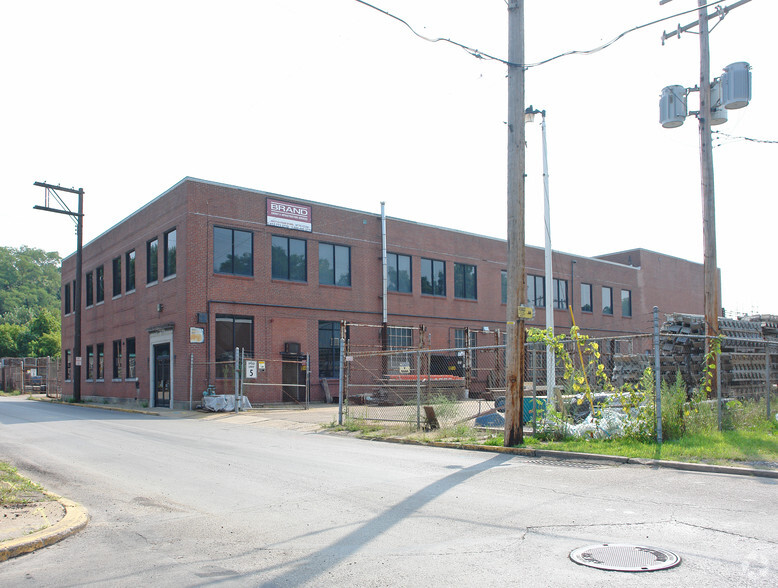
(672, 106)
(736, 85)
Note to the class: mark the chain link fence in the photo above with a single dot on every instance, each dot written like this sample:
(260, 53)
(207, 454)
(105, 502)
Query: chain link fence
(34, 375)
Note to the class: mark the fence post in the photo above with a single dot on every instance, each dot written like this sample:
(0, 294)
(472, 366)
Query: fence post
(718, 388)
(340, 381)
(191, 376)
(657, 378)
(307, 380)
(418, 389)
(236, 376)
(767, 375)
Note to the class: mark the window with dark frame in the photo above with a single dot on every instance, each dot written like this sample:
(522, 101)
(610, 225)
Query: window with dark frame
(233, 251)
(536, 291)
(400, 339)
(504, 286)
(586, 298)
(289, 259)
(90, 362)
(129, 271)
(67, 298)
(334, 265)
(99, 284)
(152, 261)
(560, 294)
(117, 360)
(626, 303)
(169, 243)
(89, 284)
(68, 367)
(232, 331)
(399, 273)
(100, 361)
(130, 351)
(465, 281)
(329, 349)
(433, 277)
(116, 275)
(607, 300)
(461, 342)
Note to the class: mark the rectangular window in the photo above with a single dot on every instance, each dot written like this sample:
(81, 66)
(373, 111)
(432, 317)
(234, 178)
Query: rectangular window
(560, 294)
(536, 291)
(67, 298)
(68, 356)
(100, 361)
(626, 303)
(90, 290)
(461, 342)
(400, 339)
(152, 263)
(607, 300)
(129, 271)
(398, 272)
(233, 252)
(586, 298)
(329, 349)
(334, 265)
(231, 332)
(131, 358)
(433, 277)
(465, 281)
(504, 286)
(90, 362)
(116, 275)
(289, 259)
(169, 243)
(100, 284)
(117, 360)
(75, 302)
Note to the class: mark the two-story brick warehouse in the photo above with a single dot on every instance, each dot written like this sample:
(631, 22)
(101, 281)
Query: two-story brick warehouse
(207, 267)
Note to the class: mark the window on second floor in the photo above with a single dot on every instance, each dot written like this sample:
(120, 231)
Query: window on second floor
(100, 284)
(586, 298)
(67, 299)
(626, 303)
(116, 275)
(433, 277)
(536, 291)
(90, 289)
(504, 286)
(129, 271)
(398, 272)
(560, 294)
(465, 281)
(607, 300)
(289, 259)
(334, 265)
(233, 252)
(152, 261)
(170, 253)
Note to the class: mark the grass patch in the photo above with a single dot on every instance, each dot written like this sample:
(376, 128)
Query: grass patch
(16, 489)
(11, 393)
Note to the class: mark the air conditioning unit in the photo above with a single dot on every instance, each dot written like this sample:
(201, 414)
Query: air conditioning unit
(290, 347)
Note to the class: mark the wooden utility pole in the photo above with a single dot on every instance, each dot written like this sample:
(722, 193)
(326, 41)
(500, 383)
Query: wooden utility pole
(517, 285)
(710, 267)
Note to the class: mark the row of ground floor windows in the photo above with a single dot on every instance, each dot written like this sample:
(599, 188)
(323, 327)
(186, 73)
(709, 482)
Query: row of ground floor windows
(95, 361)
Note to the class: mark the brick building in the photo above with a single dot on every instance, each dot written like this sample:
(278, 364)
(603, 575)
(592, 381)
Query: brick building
(206, 267)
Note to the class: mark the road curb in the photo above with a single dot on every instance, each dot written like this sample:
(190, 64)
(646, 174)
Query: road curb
(571, 455)
(76, 518)
(100, 406)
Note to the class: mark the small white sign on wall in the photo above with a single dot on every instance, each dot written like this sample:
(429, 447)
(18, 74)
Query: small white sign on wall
(251, 369)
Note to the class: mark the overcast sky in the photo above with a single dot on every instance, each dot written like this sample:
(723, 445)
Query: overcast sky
(331, 101)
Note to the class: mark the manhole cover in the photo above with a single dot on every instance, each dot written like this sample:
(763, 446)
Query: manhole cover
(624, 558)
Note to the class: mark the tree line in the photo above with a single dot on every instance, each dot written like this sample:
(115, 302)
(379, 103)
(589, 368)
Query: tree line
(30, 285)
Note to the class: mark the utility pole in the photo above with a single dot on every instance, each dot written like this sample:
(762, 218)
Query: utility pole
(78, 218)
(517, 281)
(710, 267)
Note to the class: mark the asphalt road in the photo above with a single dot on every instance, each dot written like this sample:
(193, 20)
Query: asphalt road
(186, 502)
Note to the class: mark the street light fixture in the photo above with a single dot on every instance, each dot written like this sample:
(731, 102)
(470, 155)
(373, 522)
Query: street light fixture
(529, 116)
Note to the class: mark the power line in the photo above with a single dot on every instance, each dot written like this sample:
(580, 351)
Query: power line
(745, 138)
(482, 55)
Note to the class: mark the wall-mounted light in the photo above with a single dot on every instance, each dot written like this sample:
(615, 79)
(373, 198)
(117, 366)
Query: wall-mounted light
(160, 307)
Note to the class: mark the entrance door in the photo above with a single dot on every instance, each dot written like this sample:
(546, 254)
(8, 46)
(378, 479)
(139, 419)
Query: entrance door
(293, 376)
(162, 375)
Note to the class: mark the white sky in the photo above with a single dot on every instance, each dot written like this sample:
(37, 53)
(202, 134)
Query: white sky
(331, 101)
